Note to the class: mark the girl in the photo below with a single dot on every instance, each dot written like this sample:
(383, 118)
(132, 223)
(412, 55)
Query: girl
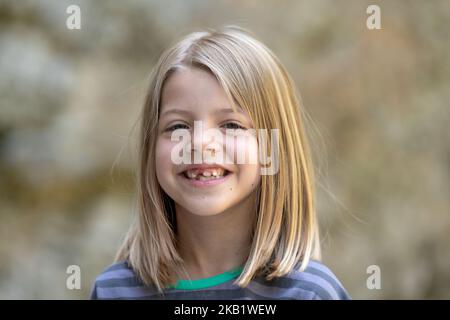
(220, 229)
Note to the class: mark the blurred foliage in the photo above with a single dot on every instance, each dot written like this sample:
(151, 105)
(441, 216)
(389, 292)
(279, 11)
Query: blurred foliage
(70, 99)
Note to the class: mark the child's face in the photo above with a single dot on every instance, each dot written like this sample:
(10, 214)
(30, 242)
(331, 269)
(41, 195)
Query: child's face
(192, 95)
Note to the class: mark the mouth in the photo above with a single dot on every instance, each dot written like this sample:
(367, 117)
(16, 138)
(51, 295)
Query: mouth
(204, 176)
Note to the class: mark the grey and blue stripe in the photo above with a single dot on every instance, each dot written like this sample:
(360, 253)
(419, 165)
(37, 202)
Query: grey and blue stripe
(317, 282)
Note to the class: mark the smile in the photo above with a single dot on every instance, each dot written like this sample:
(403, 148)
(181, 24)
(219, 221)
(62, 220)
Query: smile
(205, 176)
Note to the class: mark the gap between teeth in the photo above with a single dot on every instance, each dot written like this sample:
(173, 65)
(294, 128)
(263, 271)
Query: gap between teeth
(205, 174)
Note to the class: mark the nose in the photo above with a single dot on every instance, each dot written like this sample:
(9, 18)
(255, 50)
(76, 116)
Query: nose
(207, 141)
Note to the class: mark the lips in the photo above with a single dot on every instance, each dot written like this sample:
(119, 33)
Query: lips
(205, 172)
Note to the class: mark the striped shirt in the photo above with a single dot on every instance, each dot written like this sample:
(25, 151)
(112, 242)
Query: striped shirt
(317, 282)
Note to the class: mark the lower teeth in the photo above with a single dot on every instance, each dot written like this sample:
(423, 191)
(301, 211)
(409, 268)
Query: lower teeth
(203, 178)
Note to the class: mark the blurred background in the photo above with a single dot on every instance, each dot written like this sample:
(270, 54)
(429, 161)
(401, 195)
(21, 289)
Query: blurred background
(70, 100)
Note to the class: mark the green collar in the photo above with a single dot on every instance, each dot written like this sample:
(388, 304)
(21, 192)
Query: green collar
(208, 282)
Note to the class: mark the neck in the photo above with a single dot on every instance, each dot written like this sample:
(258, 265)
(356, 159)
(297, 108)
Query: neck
(210, 245)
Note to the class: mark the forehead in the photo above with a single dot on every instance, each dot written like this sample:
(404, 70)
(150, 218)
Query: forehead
(193, 88)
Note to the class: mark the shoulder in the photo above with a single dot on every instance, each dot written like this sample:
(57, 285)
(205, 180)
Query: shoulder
(316, 282)
(320, 281)
(118, 281)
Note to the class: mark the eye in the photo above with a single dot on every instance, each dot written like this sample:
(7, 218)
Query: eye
(233, 125)
(177, 126)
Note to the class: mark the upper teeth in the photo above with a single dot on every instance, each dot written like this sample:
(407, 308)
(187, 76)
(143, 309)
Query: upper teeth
(216, 172)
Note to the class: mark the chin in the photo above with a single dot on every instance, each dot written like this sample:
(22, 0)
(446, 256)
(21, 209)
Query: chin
(205, 208)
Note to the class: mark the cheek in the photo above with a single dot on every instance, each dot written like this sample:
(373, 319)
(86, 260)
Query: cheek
(163, 163)
(249, 171)
(245, 151)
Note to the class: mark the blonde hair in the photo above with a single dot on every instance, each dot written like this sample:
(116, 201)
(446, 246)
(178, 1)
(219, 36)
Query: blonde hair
(285, 234)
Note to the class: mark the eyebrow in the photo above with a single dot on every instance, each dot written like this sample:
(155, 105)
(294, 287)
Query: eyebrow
(180, 111)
